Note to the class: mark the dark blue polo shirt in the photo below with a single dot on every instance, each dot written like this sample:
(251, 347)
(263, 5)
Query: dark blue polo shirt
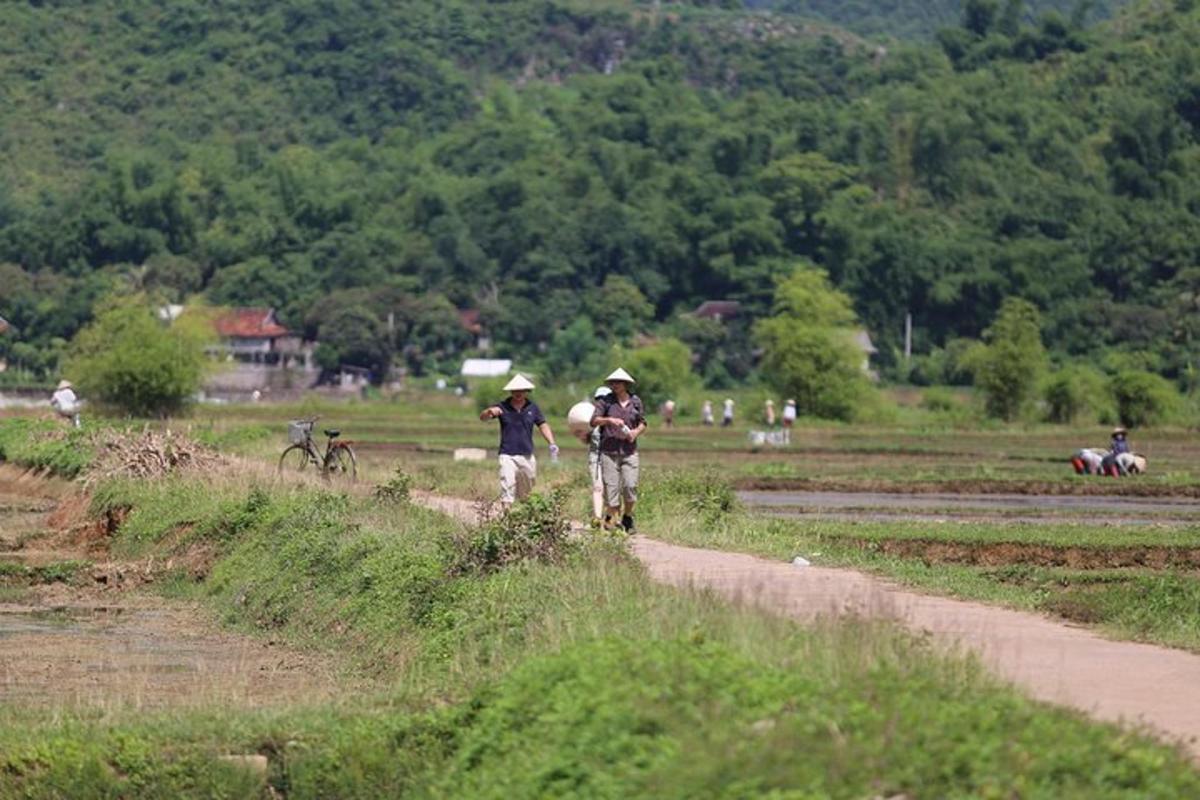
(516, 427)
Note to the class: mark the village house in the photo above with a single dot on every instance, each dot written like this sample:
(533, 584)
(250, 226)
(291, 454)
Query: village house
(255, 336)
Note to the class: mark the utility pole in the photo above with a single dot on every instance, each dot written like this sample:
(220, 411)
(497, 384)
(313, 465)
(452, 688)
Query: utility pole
(907, 337)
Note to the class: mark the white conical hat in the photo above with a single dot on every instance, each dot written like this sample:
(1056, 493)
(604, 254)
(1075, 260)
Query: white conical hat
(64, 385)
(518, 383)
(620, 375)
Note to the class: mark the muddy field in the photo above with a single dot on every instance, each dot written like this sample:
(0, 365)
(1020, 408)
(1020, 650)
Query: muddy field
(932, 506)
(78, 630)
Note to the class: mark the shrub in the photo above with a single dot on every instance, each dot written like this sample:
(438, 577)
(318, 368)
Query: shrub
(662, 371)
(533, 530)
(1144, 398)
(397, 489)
(1077, 392)
(939, 399)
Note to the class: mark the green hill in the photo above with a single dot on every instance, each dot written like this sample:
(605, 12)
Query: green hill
(548, 161)
(904, 19)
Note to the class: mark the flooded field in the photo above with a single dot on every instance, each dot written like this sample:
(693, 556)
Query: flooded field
(940, 506)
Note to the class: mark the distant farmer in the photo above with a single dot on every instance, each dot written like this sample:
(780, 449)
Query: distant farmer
(668, 413)
(727, 415)
(65, 402)
(624, 420)
(591, 438)
(706, 413)
(789, 419)
(1113, 464)
(769, 413)
(518, 417)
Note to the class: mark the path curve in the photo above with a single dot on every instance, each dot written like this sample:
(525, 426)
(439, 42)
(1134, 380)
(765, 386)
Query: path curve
(1116, 681)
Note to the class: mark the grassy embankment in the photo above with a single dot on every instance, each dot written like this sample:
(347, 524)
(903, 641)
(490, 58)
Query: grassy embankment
(567, 675)
(1132, 582)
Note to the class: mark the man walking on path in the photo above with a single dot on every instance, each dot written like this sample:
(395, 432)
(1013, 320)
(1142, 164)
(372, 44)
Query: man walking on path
(706, 413)
(592, 439)
(518, 417)
(624, 420)
(727, 416)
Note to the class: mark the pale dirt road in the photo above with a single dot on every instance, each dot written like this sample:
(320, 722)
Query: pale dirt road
(1116, 681)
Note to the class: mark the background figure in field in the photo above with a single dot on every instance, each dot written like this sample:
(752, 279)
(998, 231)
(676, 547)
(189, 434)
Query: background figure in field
(727, 414)
(624, 420)
(706, 413)
(1113, 464)
(518, 417)
(65, 403)
(789, 419)
(591, 437)
(769, 413)
(668, 413)
(1088, 461)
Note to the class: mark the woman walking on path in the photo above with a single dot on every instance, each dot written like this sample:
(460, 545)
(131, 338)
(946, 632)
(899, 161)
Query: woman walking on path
(592, 439)
(624, 420)
(518, 417)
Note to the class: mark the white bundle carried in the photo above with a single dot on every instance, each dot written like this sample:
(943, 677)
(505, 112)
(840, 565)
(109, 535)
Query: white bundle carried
(579, 418)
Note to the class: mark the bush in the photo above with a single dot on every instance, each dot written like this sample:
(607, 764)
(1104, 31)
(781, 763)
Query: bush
(533, 530)
(127, 361)
(397, 489)
(1077, 392)
(939, 399)
(1144, 398)
(662, 371)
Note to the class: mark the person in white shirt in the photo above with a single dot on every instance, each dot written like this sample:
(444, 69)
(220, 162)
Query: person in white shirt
(789, 419)
(727, 416)
(65, 402)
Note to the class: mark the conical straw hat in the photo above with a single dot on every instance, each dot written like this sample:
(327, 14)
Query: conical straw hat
(518, 383)
(64, 385)
(620, 375)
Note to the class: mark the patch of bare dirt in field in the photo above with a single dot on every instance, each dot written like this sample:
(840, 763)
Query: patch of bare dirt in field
(996, 554)
(1098, 487)
(85, 637)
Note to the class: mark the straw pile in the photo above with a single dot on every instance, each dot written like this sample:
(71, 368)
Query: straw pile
(149, 454)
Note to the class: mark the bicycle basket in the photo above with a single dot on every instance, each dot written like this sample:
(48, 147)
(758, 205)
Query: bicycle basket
(299, 430)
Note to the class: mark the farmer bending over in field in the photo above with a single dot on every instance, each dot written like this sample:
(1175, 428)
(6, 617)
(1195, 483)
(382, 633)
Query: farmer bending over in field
(624, 420)
(518, 417)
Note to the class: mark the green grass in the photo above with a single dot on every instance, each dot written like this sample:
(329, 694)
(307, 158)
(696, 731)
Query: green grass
(568, 677)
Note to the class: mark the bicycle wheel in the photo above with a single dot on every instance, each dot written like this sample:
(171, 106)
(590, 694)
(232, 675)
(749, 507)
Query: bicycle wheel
(295, 459)
(341, 463)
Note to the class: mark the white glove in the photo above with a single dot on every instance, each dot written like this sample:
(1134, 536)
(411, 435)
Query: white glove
(553, 454)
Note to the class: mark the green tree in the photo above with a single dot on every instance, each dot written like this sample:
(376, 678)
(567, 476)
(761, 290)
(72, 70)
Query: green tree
(355, 336)
(129, 362)
(808, 348)
(1008, 366)
(663, 371)
(575, 352)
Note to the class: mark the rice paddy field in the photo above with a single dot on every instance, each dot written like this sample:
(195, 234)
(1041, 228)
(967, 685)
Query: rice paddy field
(303, 638)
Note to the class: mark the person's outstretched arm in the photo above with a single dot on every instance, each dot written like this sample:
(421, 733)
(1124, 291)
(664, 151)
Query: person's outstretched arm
(490, 413)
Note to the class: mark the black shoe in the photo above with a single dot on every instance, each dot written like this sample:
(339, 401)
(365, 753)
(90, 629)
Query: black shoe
(627, 523)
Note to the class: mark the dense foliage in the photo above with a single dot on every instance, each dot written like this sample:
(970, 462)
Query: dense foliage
(549, 162)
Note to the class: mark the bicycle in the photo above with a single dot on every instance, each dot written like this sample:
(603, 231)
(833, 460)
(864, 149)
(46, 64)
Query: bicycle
(338, 460)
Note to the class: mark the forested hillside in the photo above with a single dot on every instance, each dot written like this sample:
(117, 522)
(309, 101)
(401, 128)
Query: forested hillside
(904, 19)
(554, 164)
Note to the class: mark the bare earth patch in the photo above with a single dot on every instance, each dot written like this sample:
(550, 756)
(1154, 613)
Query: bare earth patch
(95, 642)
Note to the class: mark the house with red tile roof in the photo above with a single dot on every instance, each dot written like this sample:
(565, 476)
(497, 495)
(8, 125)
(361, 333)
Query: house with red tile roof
(255, 335)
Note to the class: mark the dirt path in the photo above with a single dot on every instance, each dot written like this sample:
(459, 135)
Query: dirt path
(93, 643)
(1116, 681)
